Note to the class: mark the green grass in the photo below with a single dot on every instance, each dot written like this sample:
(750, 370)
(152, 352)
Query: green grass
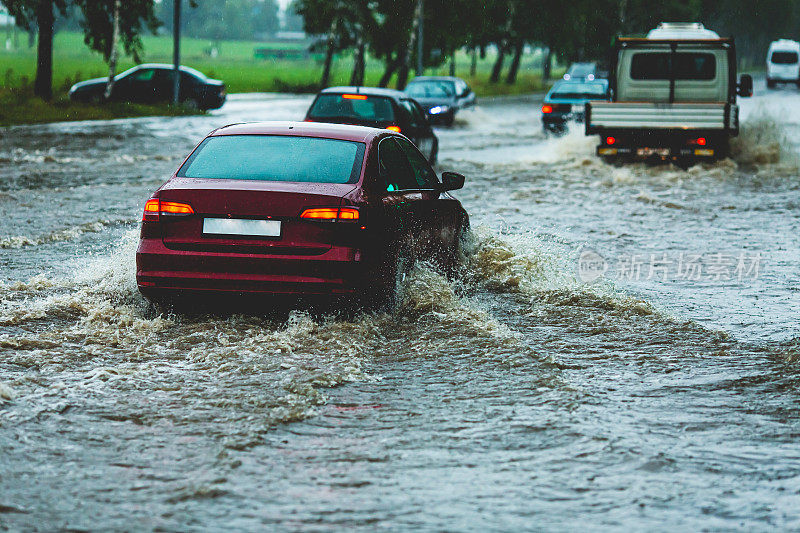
(19, 106)
(235, 64)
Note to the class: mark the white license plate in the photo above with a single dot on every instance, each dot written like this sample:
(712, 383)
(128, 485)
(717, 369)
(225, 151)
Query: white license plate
(661, 152)
(237, 226)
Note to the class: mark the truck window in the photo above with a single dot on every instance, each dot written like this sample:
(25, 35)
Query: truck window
(688, 66)
(784, 58)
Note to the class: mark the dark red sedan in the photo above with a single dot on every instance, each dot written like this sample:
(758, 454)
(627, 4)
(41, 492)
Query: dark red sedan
(288, 208)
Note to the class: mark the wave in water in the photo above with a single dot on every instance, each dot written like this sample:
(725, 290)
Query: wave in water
(67, 234)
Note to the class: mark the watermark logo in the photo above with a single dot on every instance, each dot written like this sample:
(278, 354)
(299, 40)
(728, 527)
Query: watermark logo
(710, 267)
(591, 266)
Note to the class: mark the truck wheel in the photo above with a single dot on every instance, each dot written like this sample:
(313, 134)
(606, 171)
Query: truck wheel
(683, 163)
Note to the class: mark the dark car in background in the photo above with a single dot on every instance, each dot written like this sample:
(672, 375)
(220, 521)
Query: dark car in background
(297, 209)
(442, 97)
(566, 101)
(376, 108)
(153, 84)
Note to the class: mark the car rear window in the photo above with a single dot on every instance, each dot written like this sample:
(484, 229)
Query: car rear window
(344, 107)
(784, 58)
(687, 66)
(275, 158)
(579, 91)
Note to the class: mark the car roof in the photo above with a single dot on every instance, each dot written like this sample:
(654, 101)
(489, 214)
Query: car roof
(368, 91)
(167, 66)
(436, 78)
(784, 44)
(325, 130)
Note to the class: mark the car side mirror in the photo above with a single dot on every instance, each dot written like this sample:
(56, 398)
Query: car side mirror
(745, 87)
(452, 181)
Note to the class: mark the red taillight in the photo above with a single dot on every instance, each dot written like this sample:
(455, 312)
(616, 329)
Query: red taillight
(354, 97)
(547, 109)
(150, 210)
(611, 140)
(393, 128)
(155, 207)
(702, 141)
(349, 214)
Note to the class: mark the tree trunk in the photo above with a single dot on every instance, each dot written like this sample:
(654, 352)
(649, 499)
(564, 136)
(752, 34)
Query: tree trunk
(43, 86)
(402, 78)
(453, 63)
(547, 64)
(357, 77)
(112, 58)
(473, 68)
(326, 69)
(498, 64)
(519, 48)
(391, 67)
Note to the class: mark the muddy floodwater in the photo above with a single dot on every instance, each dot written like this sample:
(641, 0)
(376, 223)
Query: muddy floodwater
(621, 352)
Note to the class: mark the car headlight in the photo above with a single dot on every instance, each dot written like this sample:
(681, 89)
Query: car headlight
(439, 109)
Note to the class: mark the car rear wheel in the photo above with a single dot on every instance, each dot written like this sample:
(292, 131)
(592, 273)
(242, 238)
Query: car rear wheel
(379, 292)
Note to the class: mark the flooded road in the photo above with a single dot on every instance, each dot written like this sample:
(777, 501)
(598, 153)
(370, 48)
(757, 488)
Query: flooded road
(622, 351)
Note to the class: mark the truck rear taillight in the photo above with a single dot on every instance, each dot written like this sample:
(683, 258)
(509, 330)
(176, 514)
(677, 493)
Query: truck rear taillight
(154, 208)
(547, 109)
(611, 141)
(393, 128)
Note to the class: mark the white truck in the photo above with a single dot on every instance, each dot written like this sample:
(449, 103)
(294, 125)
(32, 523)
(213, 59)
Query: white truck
(673, 96)
(783, 63)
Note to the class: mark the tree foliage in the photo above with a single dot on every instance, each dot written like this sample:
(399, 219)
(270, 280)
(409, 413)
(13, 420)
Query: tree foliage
(574, 30)
(136, 16)
(225, 19)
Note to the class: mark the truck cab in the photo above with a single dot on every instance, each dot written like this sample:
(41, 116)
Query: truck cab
(783, 63)
(673, 96)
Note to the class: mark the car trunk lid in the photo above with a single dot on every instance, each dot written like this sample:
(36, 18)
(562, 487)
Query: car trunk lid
(216, 201)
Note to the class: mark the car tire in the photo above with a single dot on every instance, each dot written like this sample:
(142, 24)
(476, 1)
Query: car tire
(771, 84)
(449, 120)
(460, 251)
(192, 103)
(379, 293)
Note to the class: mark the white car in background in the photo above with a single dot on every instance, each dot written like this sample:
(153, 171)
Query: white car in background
(783, 63)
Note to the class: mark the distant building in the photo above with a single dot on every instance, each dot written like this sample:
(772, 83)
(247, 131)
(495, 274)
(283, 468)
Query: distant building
(291, 36)
(5, 18)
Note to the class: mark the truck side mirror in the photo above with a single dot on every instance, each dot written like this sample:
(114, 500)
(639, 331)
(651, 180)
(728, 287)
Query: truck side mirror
(745, 87)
